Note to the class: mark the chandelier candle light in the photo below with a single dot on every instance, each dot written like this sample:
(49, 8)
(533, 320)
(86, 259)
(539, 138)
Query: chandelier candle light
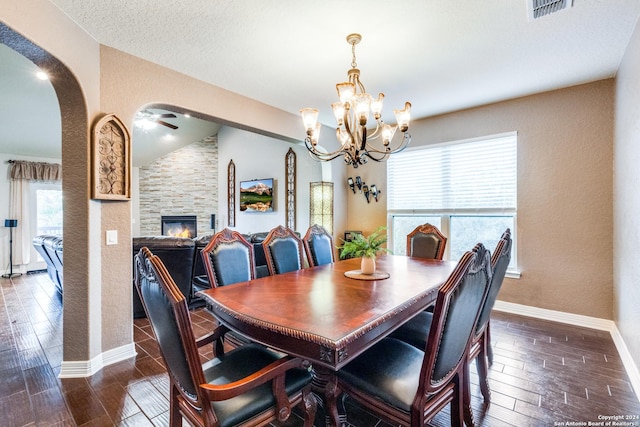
(352, 113)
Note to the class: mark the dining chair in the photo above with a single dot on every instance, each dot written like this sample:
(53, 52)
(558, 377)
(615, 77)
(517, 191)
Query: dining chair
(408, 385)
(480, 348)
(283, 250)
(318, 245)
(228, 258)
(426, 241)
(249, 385)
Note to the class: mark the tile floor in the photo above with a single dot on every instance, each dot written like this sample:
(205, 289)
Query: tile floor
(544, 373)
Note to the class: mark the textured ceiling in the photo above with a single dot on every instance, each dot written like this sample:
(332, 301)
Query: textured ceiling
(441, 55)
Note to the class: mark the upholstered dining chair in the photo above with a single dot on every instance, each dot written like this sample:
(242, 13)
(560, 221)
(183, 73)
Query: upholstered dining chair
(248, 386)
(318, 245)
(480, 348)
(283, 250)
(426, 241)
(228, 258)
(408, 385)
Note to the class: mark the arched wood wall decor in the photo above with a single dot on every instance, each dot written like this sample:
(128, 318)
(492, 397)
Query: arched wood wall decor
(231, 193)
(111, 154)
(290, 171)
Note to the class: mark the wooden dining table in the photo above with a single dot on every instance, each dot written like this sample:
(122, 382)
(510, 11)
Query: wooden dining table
(325, 317)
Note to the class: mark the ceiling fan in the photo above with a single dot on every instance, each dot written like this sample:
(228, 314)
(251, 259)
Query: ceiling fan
(147, 119)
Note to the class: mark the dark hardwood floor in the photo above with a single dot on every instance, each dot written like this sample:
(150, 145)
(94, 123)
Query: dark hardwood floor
(544, 373)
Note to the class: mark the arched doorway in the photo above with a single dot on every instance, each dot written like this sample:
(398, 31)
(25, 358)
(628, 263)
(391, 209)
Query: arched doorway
(74, 130)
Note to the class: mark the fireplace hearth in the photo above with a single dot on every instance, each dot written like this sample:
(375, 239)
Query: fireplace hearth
(179, 225)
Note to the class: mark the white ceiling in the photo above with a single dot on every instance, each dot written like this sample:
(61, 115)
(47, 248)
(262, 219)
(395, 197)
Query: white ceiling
(441, 55)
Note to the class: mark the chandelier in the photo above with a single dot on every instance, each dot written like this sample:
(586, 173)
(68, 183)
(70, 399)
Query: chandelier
(357, 142)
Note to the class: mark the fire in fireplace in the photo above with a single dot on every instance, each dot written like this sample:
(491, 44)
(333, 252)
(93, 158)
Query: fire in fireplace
(179, 225)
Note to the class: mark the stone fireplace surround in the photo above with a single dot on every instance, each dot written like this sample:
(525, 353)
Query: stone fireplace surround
(183, 182)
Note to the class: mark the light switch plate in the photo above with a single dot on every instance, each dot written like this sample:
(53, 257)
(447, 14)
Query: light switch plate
(112, 237)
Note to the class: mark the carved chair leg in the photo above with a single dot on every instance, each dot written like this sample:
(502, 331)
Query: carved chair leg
(175, 418)
(482, 363)
(483, 371)
(487, 339)
(464, 399)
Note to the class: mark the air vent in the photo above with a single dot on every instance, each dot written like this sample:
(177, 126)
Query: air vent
(539, 8)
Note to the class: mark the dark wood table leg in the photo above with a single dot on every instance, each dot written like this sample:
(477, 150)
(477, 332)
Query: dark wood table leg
(324, 385)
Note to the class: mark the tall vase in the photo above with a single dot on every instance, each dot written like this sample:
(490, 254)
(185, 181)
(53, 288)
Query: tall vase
(368, 265)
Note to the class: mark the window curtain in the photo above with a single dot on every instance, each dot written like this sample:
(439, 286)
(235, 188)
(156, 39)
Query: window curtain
(21, 174)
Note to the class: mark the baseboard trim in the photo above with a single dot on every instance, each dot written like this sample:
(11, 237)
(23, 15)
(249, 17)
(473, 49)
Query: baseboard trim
(583, 321)
(86, 368)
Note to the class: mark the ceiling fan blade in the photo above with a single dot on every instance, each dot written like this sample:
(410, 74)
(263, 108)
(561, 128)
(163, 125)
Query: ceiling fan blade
(169, 125)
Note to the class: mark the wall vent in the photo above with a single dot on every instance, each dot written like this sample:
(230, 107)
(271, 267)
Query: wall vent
(539, 8)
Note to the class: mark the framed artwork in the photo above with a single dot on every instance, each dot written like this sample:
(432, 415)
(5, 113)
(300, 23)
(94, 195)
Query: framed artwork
(349, 235)
(111, 156)
(256, 195)
(290, 173)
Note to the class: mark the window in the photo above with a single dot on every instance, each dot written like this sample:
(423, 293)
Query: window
(45, 215)
(467, 188)
(49, 210)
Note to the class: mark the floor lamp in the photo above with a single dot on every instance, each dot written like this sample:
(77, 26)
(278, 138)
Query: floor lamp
(10, 224)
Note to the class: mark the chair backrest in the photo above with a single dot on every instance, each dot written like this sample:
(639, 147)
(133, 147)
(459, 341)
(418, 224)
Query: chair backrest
(426, 241)
(454, 317)
(168, 313)
(500, 260)
(283, 251)
(318, 245)
(228, 258)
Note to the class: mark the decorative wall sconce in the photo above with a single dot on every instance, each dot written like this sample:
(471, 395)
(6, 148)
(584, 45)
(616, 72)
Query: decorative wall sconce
(351, 184)
(374, 192)
(365, 190)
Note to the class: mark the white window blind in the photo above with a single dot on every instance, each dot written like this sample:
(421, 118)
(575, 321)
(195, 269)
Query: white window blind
(467, 175)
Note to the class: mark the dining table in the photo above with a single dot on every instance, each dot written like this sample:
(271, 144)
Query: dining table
(331, 313)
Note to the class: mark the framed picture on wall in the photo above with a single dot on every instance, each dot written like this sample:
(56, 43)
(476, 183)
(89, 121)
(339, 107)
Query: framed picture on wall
(111, 155)
(349, 235)
(257, 195)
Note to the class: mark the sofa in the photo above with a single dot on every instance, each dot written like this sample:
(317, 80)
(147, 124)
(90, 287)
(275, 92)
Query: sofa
(50, 249)
(183, 259)
(177, 254)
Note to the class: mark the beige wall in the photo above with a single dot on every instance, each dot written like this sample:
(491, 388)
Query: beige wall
(626, 247)
(565, 213)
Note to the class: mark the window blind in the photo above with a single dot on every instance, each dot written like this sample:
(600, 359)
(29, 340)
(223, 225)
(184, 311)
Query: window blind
(467, 175)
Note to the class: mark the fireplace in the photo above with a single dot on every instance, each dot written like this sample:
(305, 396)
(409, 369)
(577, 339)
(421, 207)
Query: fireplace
(179, 225)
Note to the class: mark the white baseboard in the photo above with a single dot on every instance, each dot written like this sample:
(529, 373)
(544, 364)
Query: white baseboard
(86, 368)
(583, 321)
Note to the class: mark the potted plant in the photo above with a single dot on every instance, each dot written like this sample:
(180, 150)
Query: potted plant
(367, 248)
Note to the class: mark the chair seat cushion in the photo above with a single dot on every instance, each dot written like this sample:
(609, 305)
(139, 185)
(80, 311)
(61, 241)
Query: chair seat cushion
(416, 330)
(242, 362)
(389, 370)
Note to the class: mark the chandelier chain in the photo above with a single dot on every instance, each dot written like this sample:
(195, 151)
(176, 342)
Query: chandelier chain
(354, 64)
